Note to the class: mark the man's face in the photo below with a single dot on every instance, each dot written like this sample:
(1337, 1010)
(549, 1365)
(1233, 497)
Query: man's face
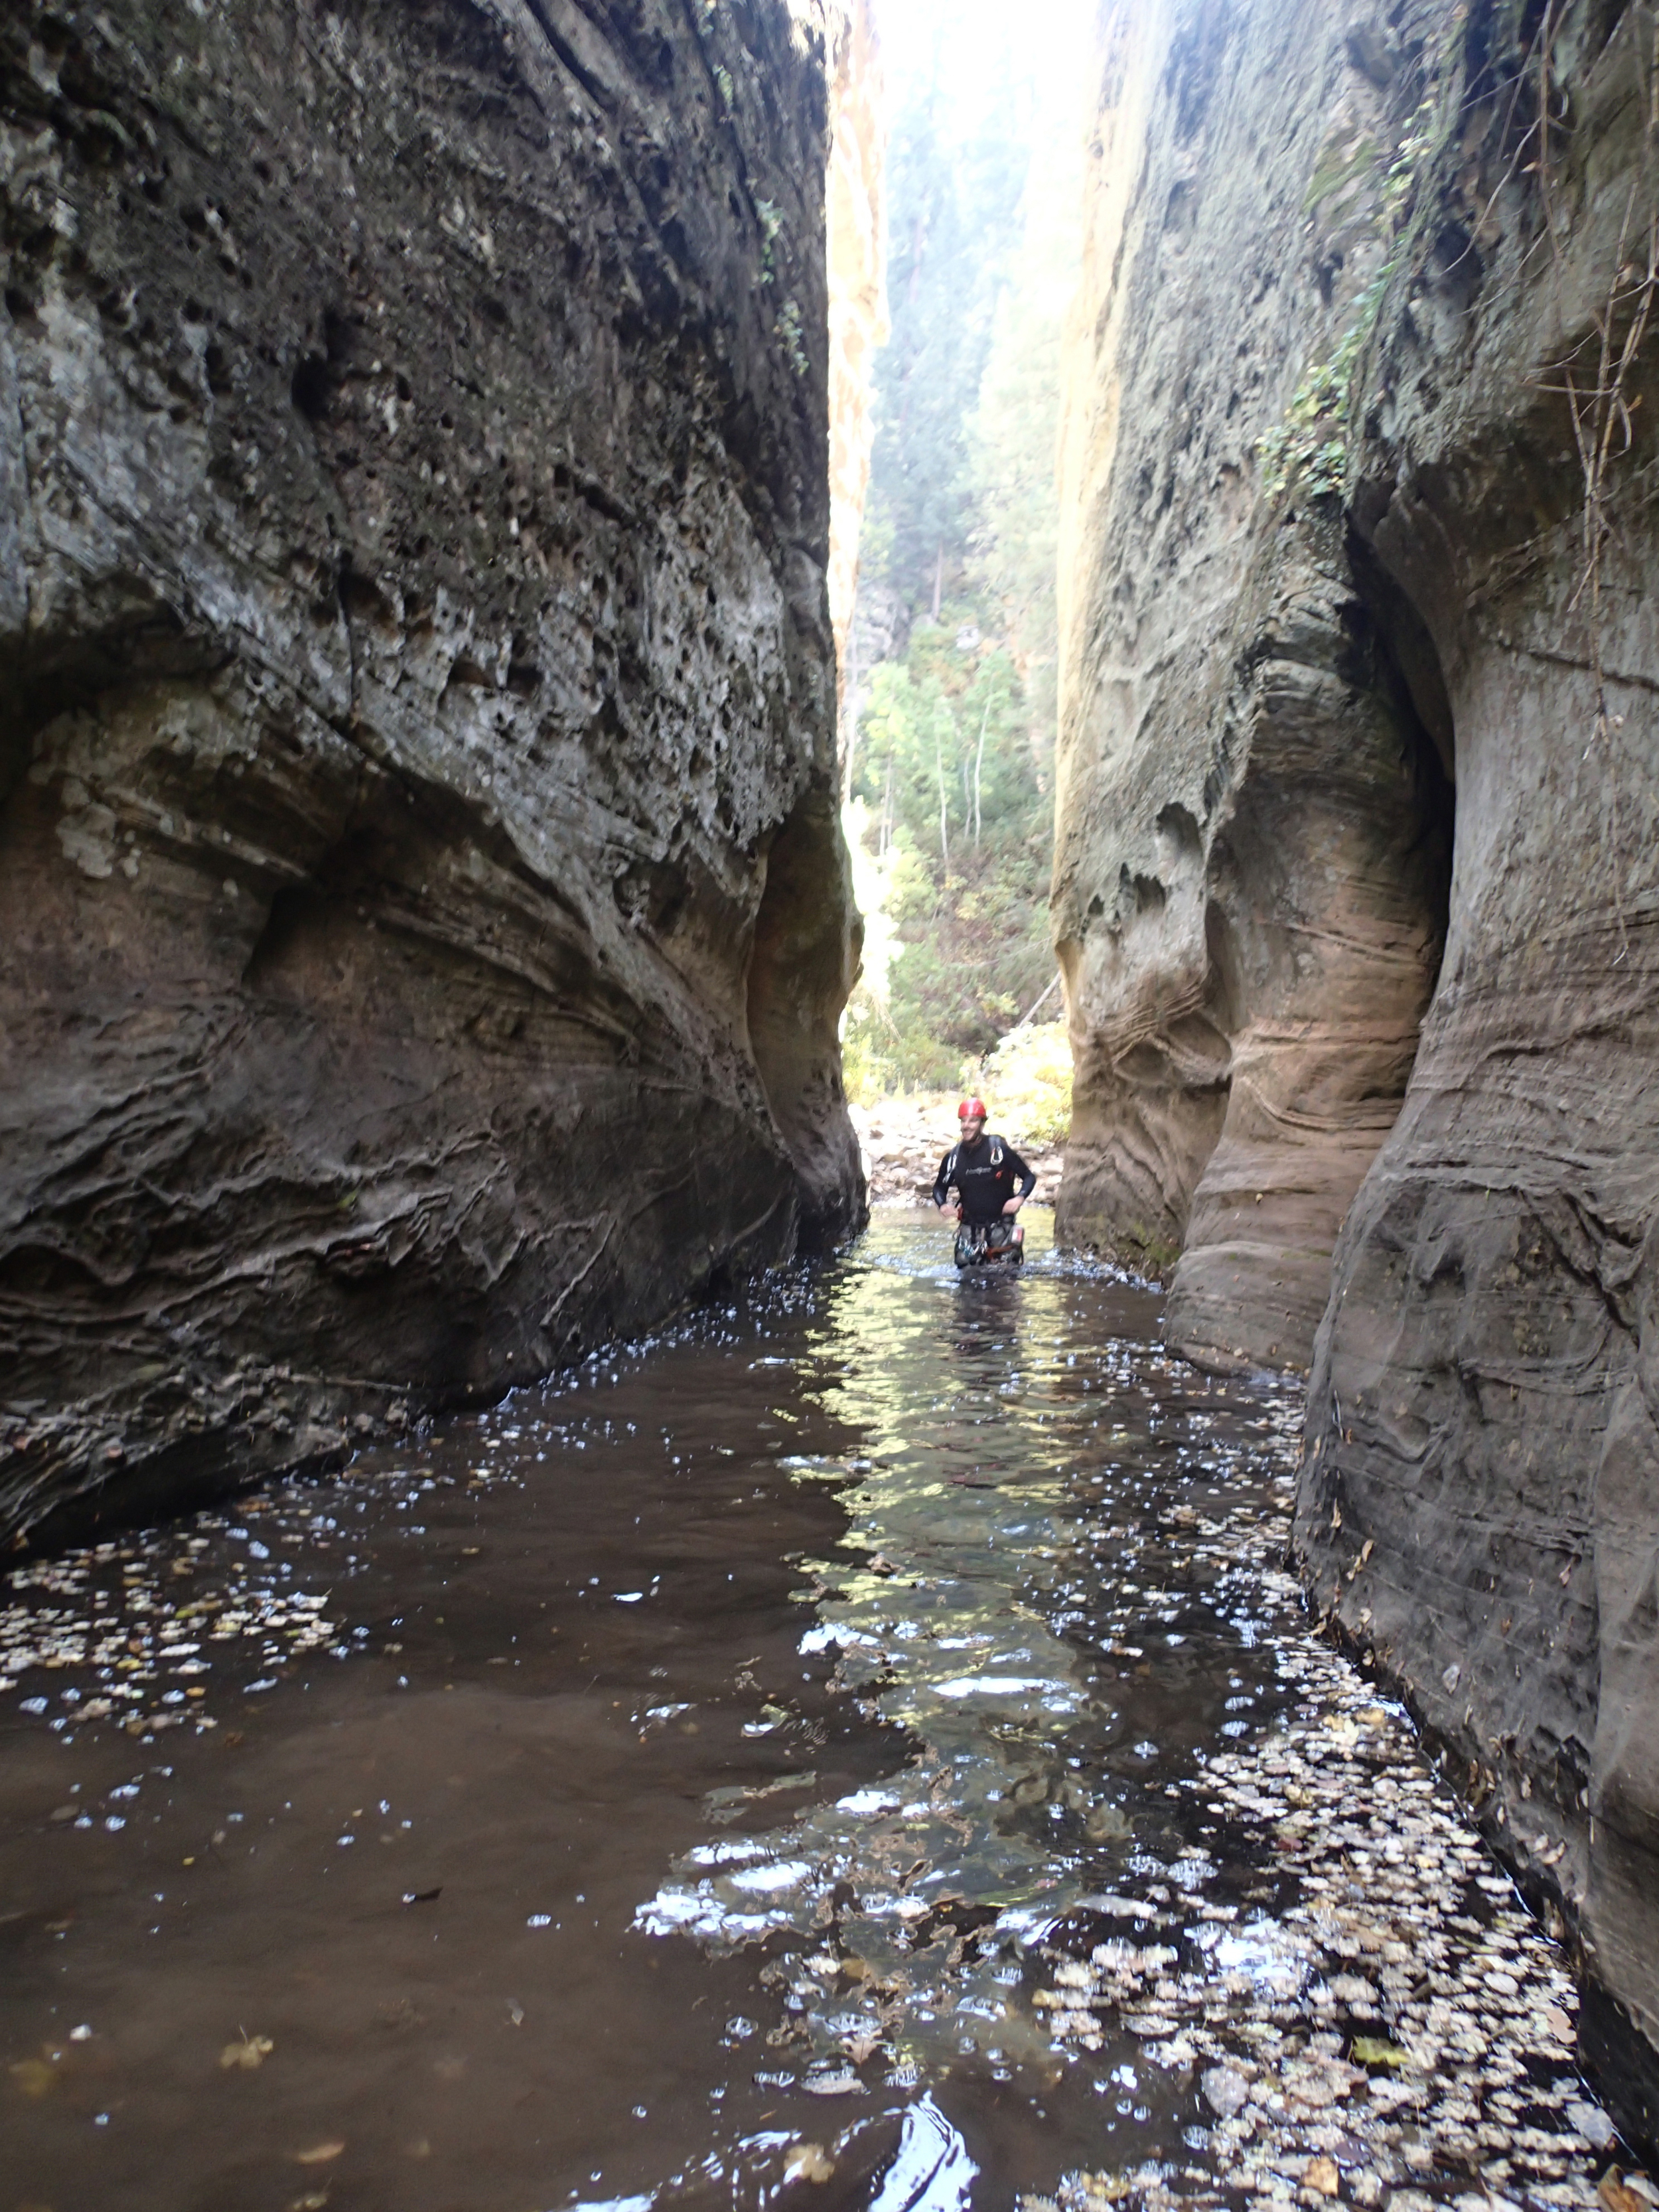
(972, 1126)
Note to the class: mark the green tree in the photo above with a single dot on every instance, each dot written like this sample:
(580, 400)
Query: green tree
(947, 778)
(1014, 433)
(949, 761)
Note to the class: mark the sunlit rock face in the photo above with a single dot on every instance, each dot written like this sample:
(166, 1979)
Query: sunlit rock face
(855, 225)
(426, 921)
(1357, 866)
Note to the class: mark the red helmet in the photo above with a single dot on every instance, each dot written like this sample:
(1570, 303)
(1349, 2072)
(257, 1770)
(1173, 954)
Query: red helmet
(971, 1109)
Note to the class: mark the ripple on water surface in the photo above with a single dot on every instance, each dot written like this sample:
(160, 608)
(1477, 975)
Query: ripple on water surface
(862, 1746)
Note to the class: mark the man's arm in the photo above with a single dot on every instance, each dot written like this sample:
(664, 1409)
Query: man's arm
(1024, 1182)
(942, 1183)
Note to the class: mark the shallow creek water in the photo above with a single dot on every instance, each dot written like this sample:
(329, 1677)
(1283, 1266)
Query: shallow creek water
(860, 1748)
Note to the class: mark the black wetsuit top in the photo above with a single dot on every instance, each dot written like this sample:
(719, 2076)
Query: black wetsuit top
(985, 1174)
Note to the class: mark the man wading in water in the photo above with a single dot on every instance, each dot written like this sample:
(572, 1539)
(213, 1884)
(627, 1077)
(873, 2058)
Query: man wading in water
(985, 1172)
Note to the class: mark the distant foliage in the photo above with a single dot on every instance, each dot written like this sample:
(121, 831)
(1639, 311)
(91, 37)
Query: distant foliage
(952, 231)
(1028, 1083)
(952, 798)
(949, 758)
(1013, 435)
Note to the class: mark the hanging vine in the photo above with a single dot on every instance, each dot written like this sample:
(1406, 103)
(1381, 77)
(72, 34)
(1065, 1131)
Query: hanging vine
(1310, 449)
(1596, 377)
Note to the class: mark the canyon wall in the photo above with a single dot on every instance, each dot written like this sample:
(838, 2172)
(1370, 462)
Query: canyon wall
(425, 917)
(1356, 875)
(1251, 851)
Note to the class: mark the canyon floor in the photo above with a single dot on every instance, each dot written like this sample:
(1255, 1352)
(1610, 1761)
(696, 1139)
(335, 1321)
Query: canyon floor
(861, 1747)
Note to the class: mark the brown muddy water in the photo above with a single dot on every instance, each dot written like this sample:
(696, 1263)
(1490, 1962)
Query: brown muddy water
(860, 1748)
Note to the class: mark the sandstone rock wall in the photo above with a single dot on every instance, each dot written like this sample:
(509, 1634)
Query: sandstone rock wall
(1356, 884)
(424, 914)
(1483, 1404)
(1251, 852)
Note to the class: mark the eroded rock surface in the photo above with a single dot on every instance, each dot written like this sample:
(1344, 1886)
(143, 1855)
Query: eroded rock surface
(426, 920)
(1362, 548)
(1485, 1385)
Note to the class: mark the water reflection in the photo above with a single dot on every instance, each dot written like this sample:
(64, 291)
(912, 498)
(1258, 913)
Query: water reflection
(916, 1903)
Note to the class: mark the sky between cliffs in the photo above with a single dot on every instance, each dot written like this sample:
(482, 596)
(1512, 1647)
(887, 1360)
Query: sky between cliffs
(980, 55)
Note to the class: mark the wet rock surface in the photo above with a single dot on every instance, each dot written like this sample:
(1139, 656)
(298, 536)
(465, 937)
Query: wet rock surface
(426, 911)
(1356, 877)
(901, 1773)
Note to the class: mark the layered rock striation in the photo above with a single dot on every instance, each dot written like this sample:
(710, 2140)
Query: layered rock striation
(1356, 877)
(1253, 830)
(425, 915)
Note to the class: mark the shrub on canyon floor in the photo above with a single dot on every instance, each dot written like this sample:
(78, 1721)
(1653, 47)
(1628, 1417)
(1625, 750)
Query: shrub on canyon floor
(1027, 1079)
(955, 836)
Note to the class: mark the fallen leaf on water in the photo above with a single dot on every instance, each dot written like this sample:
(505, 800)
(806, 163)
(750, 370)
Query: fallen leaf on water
(1372, 2050)
(1321, 2176)
(515, 2012)
(808, 2161)
(846, 2083)
(318, 2154)
(1616, 2195)
(253, 2050)
(1105, 1824)
(34, 2076)
(1225, 2090)
(312, 2201)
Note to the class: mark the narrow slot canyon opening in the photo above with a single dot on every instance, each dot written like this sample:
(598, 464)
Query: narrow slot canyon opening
(599, 1662)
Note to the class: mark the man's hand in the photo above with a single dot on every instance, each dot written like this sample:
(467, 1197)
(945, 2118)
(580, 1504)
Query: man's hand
(1012, 1204)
